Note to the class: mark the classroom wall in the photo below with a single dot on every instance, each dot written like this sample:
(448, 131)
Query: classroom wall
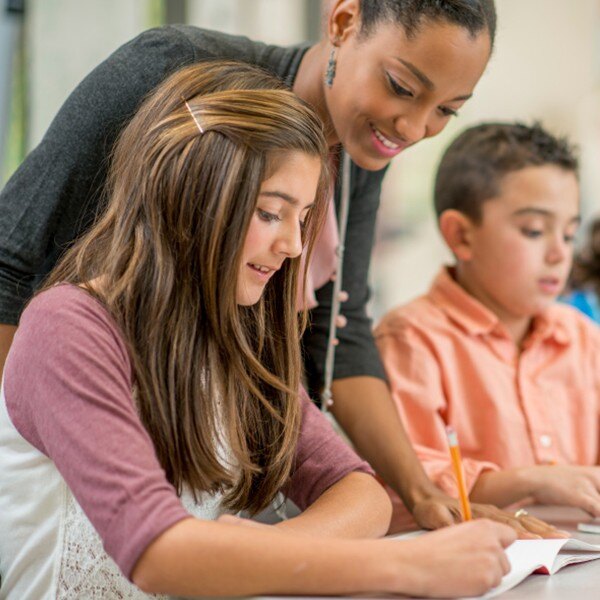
(67, 38)
(256, 19)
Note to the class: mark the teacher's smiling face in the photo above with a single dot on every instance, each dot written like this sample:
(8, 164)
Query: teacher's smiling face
(392, 90)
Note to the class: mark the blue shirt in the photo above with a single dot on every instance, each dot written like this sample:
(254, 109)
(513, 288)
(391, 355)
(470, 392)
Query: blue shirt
(586, 301)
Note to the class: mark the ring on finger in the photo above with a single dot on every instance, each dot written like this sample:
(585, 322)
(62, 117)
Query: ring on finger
(521, 513)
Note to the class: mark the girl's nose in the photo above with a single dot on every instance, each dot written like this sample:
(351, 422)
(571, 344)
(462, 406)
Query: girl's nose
(289, 241)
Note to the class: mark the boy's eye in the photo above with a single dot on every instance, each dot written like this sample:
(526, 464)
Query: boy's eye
(532, 233)
(569, 238)
(397, 88)
(448, 112)
(267, 216)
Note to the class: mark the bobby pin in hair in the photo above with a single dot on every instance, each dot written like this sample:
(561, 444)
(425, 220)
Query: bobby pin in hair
(193, 116)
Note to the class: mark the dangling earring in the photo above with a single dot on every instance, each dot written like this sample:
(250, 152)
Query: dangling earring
(331, 64)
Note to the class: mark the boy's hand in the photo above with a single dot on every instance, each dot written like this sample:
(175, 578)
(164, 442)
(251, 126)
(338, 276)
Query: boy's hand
(566, 485)
(441, 510)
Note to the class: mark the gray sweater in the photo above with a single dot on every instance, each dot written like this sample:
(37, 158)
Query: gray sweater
(55, 193)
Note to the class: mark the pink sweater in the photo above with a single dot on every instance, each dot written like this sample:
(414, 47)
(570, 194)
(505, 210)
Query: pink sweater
(69, 406)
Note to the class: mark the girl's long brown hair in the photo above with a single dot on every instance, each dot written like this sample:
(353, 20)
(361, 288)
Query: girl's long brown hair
(164, 259)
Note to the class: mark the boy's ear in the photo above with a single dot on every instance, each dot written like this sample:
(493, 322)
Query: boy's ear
(457, 231)
(342, 20)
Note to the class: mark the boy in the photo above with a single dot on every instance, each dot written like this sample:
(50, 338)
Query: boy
(487, 350)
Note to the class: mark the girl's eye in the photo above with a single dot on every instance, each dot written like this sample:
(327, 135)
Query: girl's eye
(532, 233)
(397, 88)
(267, 216)
(569, 239)
(448, 112)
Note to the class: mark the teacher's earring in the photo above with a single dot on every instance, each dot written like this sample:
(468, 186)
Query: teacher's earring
(331, 64)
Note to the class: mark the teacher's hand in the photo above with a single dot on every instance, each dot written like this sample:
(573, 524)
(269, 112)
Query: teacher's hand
(442, 510)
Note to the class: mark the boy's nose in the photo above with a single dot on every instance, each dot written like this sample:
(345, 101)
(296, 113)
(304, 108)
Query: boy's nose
(558, 251)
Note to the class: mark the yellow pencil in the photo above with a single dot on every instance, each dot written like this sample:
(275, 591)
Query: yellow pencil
(459, 473)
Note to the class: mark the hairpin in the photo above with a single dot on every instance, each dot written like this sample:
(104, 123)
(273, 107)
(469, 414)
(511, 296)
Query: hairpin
(193, 116)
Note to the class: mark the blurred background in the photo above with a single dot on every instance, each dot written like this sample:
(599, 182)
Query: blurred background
(546, 66)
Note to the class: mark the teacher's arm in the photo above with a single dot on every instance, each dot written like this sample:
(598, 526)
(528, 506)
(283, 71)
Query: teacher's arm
(362, 401)
(55, 193)
(364, 409)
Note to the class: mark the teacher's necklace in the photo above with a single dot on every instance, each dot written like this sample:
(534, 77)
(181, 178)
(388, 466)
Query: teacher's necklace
(326, 396)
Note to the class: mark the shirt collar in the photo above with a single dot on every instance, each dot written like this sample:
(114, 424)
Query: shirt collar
(472, 316)
(460, 306)
(548, 327)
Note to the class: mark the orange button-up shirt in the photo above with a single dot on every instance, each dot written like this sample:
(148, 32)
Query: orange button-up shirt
(451, 362)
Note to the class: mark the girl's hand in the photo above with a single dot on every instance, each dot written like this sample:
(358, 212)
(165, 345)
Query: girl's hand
(462, 560)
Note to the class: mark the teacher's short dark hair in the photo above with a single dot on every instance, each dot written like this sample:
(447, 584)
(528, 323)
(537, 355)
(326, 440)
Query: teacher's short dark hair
(473, 15)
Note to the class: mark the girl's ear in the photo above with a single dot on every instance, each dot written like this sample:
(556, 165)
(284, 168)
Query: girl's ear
(343, 20)
(457, 231)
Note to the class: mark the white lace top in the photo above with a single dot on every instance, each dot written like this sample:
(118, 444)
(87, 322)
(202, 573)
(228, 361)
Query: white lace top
(48, 546)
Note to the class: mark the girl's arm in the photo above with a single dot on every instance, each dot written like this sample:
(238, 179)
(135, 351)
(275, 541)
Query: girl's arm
(68, 393)
(219, 559)
(333, 487)
(355, 507)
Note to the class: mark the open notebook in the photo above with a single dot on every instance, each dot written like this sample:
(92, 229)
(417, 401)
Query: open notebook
(542, 556)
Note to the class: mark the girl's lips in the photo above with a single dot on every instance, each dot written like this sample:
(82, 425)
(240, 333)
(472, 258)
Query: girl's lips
(262, 276)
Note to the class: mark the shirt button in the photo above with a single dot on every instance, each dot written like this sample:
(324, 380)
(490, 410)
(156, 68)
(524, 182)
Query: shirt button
(545, 441)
